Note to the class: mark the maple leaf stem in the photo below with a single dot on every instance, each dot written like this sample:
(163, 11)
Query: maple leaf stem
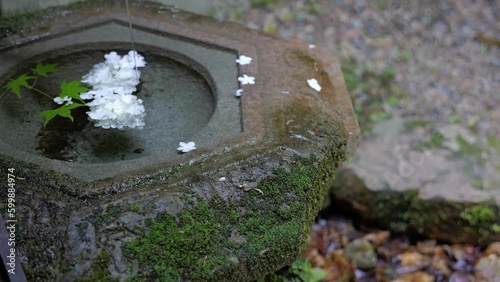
(43, 93)
(3, 94)
(34, 82)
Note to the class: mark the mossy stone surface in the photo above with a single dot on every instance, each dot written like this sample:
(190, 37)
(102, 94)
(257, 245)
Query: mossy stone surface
(407, 212)
(423, 178)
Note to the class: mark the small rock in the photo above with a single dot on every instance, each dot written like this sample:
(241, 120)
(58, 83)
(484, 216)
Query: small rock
(338, 268)
(493, 248)
(419, 276)
(411, 258)
(309, 28)
(488, 268)
(426, 247)
(385, 274)
(316, 259)
(461, 277)
(458, 252)
(361, 253)
(440, 266)
(378, 238)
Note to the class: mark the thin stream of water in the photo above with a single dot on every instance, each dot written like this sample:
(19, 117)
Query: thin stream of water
(131, 36)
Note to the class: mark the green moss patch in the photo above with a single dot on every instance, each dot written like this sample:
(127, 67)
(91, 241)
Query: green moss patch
(479, 214)
(208, 240)
(369, 91)
(406, 212)
(436, 141)
(104, 217)
(100, 270)
(180, 247)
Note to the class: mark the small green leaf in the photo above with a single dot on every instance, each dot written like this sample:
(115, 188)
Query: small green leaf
(43, 70)
(72, 89)
(303, 269)
(15, 85)
(314, 275)
(64, 111)
(49, 115)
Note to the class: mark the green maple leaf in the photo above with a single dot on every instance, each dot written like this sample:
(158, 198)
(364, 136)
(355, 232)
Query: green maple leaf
(64, 111)
(72, 89)
(15, 85)
(43, 70)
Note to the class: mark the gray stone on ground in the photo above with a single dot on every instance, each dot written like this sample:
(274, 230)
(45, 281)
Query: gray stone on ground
(434, 180)
(488, 268)
(361, 253)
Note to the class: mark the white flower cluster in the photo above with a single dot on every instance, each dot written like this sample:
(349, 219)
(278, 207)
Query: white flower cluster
(245, 79)
(113, 82)
(66, 99)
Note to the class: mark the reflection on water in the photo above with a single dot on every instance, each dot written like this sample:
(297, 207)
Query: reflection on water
(178, 101)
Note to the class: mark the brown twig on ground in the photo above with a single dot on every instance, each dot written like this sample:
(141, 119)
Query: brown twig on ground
(487, 39)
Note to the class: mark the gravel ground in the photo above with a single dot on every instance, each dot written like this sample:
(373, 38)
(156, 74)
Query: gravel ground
(347, 253)
(438, 52)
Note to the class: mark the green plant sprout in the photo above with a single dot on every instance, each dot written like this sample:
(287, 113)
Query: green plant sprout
(68, 98)
(300, 271)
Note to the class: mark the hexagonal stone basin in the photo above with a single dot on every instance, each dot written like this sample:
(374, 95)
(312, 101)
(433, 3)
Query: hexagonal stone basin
(188, 91)
(178, 100)
(235, 209)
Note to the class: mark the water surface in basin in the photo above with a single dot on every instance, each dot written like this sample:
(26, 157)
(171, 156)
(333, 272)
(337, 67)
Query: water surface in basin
(178, 100)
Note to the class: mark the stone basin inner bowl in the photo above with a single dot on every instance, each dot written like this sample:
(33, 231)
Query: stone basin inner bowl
(187, 90)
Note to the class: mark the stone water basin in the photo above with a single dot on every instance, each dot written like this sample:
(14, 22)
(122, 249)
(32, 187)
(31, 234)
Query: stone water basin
(235, 209)
(186, 89)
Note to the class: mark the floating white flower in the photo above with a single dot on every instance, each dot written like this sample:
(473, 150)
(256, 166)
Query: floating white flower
(116, 71)
(313, 83)
(66, 99)
(113, 82)
(117, 111)
(244, 60)
(238, 92)
(186, 147)
(245, 79)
